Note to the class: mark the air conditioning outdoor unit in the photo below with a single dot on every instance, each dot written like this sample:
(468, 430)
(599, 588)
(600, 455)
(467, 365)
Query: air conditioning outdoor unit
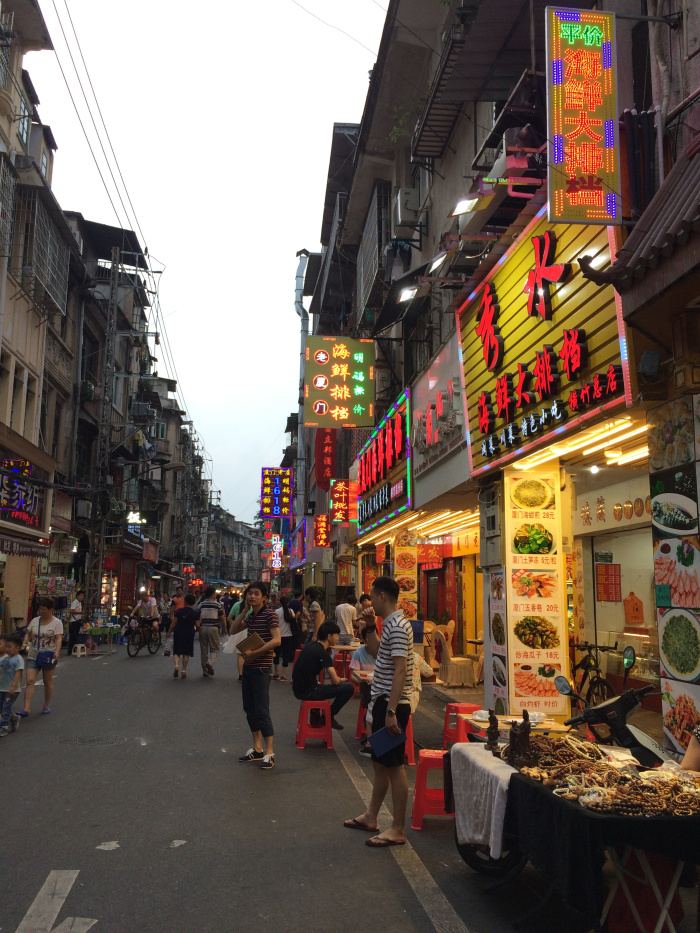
(491, 535)
(404, 214)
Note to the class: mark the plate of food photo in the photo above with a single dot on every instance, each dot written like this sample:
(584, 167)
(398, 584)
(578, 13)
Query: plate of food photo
(674, 514)
(531, 493)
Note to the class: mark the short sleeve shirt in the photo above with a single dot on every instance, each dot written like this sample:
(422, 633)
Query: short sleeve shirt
(345, 615)
(209, 611)
(186, 618)
(8, 668)
(76, 610)
(285, 630)
(396, 642)
(262, 623)
(51, 636)
(362, 660)
(313, 659)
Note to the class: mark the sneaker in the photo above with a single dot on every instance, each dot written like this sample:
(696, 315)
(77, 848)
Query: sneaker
(252, 755)
(209, 668)
(275, 677)
(366, 750)
(267, 762)
(336, 725)
(240, 679)
(7, 732)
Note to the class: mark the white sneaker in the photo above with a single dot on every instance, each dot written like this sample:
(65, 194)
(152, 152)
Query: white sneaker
(267, 762)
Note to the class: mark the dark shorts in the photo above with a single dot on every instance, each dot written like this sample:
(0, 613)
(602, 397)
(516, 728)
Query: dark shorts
(395, 757)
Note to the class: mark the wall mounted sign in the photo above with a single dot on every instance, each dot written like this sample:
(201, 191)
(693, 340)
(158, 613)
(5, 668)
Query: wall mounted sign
(321, 531)
(276, 493)
(608, 583)
(438, 414)
(19, 547)
(549, 354)
(297, 545)
(582, 117)
(277, 550)
(324, 457)
(21, 501)
(339, 383)
(384, 469)
(343, 500)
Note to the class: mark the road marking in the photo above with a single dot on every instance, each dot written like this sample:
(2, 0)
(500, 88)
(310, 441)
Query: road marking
(177, 842)
(440, 912)
(108, 846)
(47, 904)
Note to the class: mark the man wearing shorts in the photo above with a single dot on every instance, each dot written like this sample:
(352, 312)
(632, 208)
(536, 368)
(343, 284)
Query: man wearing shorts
(390, 707)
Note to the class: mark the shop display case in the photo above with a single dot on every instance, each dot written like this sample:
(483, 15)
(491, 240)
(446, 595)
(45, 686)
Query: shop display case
(646, 669)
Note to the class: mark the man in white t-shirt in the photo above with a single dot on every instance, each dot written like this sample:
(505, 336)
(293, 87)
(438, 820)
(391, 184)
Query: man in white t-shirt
(75, 622)
(345, 617)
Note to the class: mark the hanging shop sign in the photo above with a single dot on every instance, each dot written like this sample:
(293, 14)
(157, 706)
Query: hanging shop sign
(297, 545)
(582, 117)
(322, 528)
(324, 457)
(21, 501)
(438, 418)
(19, 547)
(536, 618)
(277, 551)
(543, 349)
(150, 550)
(276, 493)
(384, 469)
(339, 383)
(343, 500)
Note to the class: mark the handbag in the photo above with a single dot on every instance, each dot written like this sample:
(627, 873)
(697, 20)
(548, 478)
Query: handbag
(45, 658)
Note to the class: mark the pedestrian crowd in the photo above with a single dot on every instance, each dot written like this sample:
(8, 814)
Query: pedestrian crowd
(266, 634)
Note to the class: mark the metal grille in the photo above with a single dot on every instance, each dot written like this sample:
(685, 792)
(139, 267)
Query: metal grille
(40, 259)
(374, 237)
(7, 204)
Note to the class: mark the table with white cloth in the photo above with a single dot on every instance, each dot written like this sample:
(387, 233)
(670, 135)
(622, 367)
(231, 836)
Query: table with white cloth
(480, 787)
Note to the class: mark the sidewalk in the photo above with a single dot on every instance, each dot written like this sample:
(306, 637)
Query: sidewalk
(456, 694)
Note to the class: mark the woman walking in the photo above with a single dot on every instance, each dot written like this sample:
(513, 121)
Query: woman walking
(185, 623)
(286, 649)
(44, 633)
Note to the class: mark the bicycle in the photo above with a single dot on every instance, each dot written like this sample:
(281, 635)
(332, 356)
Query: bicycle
(145, 636)
(599, 689)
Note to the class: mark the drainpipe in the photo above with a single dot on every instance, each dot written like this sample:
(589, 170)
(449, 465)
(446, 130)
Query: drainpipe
(76, 390)
(303, 256)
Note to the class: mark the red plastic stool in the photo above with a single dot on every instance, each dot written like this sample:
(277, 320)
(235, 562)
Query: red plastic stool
(296, 655)
(450, 734)
(410, 752)
(304, 728)
(361, 727)
(427, 801)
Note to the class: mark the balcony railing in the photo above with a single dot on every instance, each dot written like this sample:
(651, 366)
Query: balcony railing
(40, 258)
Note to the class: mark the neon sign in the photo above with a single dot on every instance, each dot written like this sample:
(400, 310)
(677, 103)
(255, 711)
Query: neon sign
(276, 493)
(582, 115)
(339, 383)
(277, 549)
(343, 500)
(321, 531)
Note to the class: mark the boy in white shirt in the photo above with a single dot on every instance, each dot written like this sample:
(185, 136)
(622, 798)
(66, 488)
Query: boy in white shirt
(11, 667)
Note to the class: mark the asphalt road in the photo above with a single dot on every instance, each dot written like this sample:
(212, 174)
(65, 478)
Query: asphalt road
(127, 806)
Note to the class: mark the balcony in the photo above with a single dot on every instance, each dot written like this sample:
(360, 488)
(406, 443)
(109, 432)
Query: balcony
(39, 259)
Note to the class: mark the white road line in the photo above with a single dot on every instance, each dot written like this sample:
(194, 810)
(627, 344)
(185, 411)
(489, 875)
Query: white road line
(440, 912)
(47, 905)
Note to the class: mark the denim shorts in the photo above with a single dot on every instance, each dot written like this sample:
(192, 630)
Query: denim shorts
(31, 665)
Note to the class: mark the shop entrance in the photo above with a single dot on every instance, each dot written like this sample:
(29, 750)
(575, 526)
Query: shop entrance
(434, 586)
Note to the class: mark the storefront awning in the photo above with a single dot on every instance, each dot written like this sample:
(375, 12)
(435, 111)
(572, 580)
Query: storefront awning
(22, 547)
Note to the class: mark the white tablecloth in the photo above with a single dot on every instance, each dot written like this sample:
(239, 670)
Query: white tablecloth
(480, 784)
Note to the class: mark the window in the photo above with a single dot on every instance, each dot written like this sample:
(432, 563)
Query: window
(44, 163)
(118, 391)
(90, 361)
(4, 65)
(159, 430)
(56, 439)
(84, 452)
(23, 125)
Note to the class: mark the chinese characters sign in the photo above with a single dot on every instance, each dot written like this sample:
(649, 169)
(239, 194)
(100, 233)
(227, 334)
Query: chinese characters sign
(277, 552)
(276, 493)
(343, 501)
(321, 531)
(339, 383)
(297, 545)
(584, 145)
(535, 607)
(21, 502)
(562, 356)
(324, 457)
(384, 469)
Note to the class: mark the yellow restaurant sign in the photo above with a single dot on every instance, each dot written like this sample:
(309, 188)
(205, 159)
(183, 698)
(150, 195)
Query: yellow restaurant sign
(543, 348)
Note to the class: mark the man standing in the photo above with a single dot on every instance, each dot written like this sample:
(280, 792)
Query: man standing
(257, 673)
(314, 658)
(178, 602)
(211, 616)
(345, 618)
(390, 707)
(316, 615)
(76, 620)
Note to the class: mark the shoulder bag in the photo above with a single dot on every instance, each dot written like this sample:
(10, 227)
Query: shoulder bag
(45, 658)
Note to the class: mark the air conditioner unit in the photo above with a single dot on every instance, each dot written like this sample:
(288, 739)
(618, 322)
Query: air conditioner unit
(83, 509)
(404, 215)
(491, 536)
(142, 410)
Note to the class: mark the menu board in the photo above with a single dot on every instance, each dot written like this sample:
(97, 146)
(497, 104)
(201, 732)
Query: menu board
(498, 640)
(406, 571)
(608, 580)
(535, 584)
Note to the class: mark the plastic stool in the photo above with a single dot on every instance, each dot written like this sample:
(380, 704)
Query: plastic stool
(296, 655)
(79, 651)
(450, 734)
(427, 801)
(410, 753)
(304, 728)
(361, 727)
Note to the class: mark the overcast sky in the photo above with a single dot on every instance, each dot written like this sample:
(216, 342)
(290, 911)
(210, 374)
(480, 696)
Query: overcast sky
(221, 117)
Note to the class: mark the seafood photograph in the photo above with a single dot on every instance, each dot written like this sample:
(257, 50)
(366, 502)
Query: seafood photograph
(405, 560)
(497, 586)
(671, 435)
(528, 583)
(409, 608)
(532, 681)
(406, 538)
(680, 713)
(407, 584)
(536, 632)
(676, 564)
(672, 513)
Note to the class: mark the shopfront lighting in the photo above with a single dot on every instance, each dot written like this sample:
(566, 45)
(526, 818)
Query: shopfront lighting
(437, 262)
(437, 516)
(639, 453)
(620, 437)
(613, 454)
(465, 206)
(595, 469)
(560, 449)
(408, 294)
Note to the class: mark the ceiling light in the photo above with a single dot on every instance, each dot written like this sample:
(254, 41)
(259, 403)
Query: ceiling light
(465, 206)
(408, 294)
(595, 469)
(638, 454)
(613, 454)
(621, 437)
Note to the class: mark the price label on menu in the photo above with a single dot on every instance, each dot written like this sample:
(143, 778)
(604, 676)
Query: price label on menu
(534, 592)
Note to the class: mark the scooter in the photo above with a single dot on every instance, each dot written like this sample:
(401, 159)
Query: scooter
(614, 712)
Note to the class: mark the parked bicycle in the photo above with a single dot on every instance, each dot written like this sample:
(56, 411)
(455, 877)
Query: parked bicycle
(145, 636)
(599, 689)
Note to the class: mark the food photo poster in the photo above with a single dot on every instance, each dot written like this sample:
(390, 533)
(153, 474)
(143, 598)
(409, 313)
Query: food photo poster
(406, 571)
(534, 591)
(498, 640)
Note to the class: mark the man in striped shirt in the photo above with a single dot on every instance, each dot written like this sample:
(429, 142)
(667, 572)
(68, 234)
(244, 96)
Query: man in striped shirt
(257, 672)
(211, 614)
(390, 707)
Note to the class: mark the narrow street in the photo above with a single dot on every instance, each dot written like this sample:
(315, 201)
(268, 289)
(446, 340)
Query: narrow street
(133, 783)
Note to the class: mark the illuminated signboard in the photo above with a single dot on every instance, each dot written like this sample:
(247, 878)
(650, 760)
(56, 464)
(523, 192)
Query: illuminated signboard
(339, 383)
(343, 500)
(21, 502)
(582, 116)
(297, 545)
(438, 416)
(277, 549)
(276, 493)
(324, 457)
(322, 529)
(537, 365)
(384, 469)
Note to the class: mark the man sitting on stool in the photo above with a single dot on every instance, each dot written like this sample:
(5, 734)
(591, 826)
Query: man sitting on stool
(315, 656)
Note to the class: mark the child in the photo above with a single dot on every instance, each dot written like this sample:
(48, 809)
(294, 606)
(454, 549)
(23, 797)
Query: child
(11, 667)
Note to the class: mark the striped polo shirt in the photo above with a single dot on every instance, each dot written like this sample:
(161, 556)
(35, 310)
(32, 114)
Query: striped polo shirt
(209, 611)
(262, 623)
(396, 642)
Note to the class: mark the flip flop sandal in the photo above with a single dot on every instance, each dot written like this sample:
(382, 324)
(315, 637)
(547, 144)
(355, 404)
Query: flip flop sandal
(22, 712)
(354, 824)
(46, 709)
(381, 842)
